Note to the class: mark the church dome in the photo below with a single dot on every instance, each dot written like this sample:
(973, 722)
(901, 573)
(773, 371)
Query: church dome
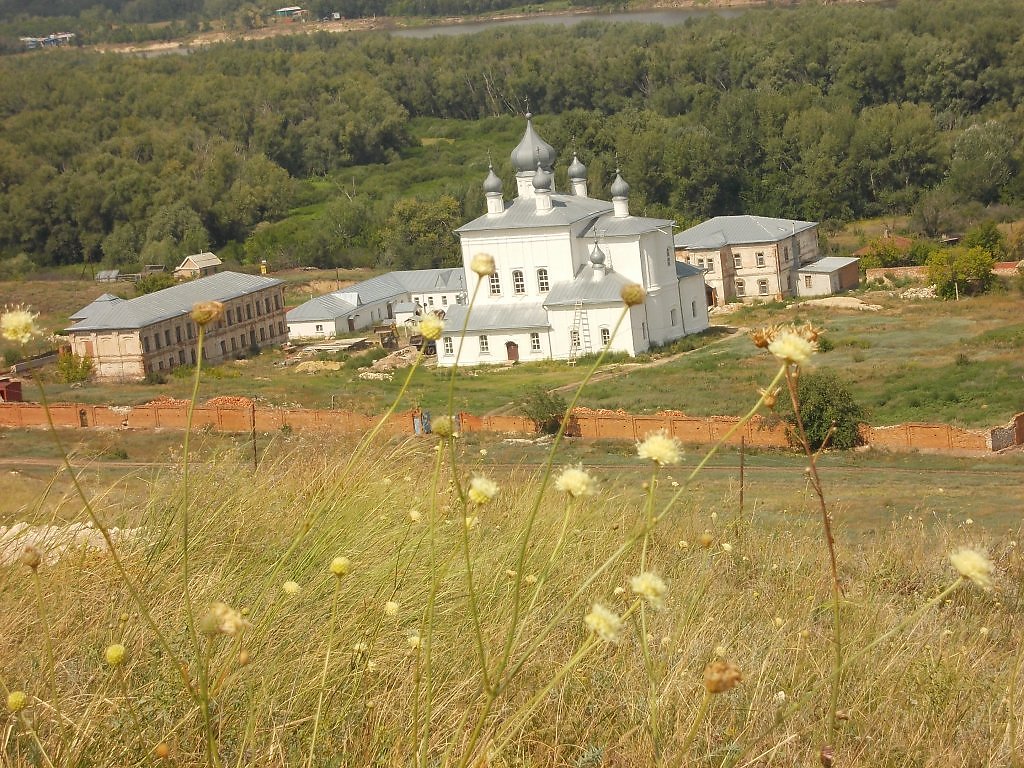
(597, 257)
(619, 187)
(541, 178)
(492, 184)
(577, 170)
(532, 150)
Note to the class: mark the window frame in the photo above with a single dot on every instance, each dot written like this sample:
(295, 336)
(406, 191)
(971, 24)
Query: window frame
(484, 343)
(518, 282)
(543, 280)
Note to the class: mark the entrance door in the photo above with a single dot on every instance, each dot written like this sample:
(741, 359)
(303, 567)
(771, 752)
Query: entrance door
(512, 350)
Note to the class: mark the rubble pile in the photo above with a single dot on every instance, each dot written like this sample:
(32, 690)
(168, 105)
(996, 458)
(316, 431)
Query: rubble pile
(315, 366)
(925, 292)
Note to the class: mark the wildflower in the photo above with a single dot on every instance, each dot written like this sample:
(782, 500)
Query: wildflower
(222, 619)
(483, 264)
(720, 651)
(576, 481)
(413, 641)
(31, 556)
(291, 588)
(779, 698)
(206, 312)
(472, 522)
(431, 327)
(706, 539)
(726, 546)
(791, 346)
(684, 544)
(414, 515)
(778, 622)
(391, 609)
(973, 565)
(619, 591)
(650, 586)
(768, 396)
(714, 516)
(443, 426)
(604, 623)
(762, 337)
(510, 573)
(340, 566)
(114, 654)
(721, 676)
(16, 701)
(483, 452)
(968, 521)
(482, 490)
(162, 751)
(660, 448)
(983, 631)
(360, 649)
(633, 294)
(19, 325)
(530, 579)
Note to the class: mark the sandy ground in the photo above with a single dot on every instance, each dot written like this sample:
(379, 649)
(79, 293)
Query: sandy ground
(840, 302)
(203, 39)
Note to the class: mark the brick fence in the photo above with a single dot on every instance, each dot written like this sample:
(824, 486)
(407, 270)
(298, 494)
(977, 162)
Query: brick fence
(615, 426)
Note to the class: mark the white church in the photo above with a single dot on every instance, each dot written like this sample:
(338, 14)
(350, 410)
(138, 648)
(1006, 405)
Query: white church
(562, 260)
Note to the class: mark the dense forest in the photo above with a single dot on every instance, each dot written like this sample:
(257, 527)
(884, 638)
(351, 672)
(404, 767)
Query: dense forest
(823, 113)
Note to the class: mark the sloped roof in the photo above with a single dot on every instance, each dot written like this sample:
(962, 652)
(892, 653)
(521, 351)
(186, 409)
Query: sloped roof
(172, 302)
(99, 304)
(584, 288)
(687, 270)
(200, 260)
(829, 264)
(500, 317)
(380, 288)
(522, 213)
(739, 230)
(609, 225)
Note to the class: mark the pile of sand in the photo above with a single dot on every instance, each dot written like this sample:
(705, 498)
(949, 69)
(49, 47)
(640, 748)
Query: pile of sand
(315, 366)
(55, 541)
(840, 302)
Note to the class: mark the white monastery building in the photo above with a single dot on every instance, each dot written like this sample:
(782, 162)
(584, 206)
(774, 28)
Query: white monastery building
(749, 258)
(562, 260)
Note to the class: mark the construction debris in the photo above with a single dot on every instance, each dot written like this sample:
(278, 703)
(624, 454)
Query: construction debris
(315, 366)
(926, 292)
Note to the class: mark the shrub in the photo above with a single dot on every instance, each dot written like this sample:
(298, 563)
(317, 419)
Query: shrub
(545, 409)
(73, 369)
(825, 402)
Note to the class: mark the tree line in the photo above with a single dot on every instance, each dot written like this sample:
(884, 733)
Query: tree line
(821, 113)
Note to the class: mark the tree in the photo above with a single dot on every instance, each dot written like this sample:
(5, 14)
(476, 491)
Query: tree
(960, 270)
(545, 409)
(987, 237)
(826, 404)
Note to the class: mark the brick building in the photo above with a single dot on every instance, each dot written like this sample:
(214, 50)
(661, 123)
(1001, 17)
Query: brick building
(129, 338)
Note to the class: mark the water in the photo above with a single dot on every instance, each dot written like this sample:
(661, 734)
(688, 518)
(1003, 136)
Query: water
(668, 18)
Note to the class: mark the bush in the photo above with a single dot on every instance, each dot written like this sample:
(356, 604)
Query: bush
(154, 282)
(73, 369)
(545, 409)
(825, 402)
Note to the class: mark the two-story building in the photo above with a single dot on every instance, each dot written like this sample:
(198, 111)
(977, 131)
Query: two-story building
(749, 258)
(126, 339)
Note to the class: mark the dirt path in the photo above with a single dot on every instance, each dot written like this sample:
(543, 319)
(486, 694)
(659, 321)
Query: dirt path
(622, 369)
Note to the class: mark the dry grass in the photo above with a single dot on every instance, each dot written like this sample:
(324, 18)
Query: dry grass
(933, 695)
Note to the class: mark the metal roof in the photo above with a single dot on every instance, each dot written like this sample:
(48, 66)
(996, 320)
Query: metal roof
(626, 226)
(584, 288)
(380, 288)
(500, 317)
(98, 304)
(687, 270)
(172, 302)
(739, 230)
(829, 264)
(522, 213)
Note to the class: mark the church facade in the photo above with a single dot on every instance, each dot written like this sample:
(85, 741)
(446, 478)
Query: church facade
(561, 262)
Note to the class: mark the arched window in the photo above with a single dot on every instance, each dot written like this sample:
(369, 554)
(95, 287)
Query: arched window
(518, 282)
(543, 285)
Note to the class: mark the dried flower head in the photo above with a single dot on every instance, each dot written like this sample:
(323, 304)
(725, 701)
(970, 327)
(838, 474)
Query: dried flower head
(162, 750)
(31, 556)
(206, 312)
(17, 324)
(413, 641)
(482, 490)
(660, 448)
(415, 516)
(762, 337)
(16, 701)
(483, 264)
(972, 564)
(340, 566)
(604, 623)
(633, 294)
(391, 609)
(114, 654)
(576, 481)
(721, 676)
(651, 587)
(443, 426)
(706, 539)
(431, 327)
(769, 396)
(792, 347)
(291, 588)
(222, 619)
